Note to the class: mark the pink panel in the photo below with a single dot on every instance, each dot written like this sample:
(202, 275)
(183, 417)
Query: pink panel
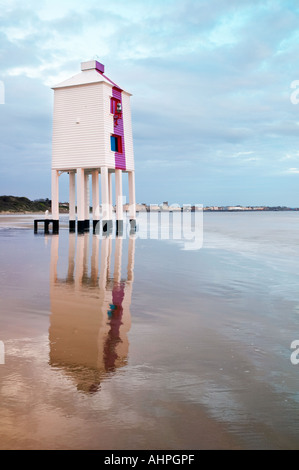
(102, 73)
(100, 67)
(120, 158)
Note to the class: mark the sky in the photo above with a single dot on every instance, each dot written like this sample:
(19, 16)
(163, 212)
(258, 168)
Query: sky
(215, 93)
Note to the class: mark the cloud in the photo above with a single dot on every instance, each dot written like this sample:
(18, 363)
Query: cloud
(210, 82)
(241, 154)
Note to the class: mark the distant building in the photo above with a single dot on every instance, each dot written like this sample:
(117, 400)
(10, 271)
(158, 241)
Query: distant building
(141, 207)
(164, 206)
(154, 207)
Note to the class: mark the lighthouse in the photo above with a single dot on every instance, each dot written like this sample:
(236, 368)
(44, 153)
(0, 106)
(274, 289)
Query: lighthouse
(90, 310)
(92, 139)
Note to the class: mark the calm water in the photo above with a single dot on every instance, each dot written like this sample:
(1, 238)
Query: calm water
(143, 344)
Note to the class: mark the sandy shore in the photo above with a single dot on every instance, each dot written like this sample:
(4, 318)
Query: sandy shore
(18, 220)
(24, 219)
(20, 213)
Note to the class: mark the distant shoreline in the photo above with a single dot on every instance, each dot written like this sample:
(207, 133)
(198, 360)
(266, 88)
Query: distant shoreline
(266, 209)
(10, 205)
(160, 210)
(21, 213)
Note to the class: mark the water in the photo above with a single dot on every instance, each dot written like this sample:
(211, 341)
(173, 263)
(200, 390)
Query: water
(137, 343)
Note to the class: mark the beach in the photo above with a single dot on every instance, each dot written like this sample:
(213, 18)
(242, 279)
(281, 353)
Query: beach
(126, 343)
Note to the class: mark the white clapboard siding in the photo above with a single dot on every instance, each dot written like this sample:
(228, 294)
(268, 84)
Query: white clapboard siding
(128, 135)
(108, 126)
(81, 125)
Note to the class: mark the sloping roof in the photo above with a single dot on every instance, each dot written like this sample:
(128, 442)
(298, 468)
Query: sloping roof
(92, 72)
(83, 78)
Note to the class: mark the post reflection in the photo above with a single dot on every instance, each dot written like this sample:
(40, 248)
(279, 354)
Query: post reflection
(90, 309)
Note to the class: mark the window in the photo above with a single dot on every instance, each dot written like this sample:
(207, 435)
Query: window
(116, 143)
(116, 109)
(113, 105)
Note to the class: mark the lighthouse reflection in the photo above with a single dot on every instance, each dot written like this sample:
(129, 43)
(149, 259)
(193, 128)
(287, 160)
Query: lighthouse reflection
(90, 309)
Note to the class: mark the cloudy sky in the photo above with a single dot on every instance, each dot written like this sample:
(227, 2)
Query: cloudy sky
(214, 105)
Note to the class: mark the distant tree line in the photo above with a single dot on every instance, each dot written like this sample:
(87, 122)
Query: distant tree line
(23, 204)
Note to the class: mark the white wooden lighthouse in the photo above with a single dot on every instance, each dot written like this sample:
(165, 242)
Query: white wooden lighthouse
(92, 137)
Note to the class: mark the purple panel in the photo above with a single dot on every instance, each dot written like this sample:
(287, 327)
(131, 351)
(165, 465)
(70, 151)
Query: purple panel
(102, 73)
(115, 321)
(120, 157)
(118, 294)
(100, 67)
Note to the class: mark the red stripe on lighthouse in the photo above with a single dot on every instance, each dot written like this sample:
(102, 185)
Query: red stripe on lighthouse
(120, 157)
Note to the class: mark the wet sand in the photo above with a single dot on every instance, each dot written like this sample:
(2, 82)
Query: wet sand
(138, 344)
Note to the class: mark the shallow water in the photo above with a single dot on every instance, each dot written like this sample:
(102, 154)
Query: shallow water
(140, 343)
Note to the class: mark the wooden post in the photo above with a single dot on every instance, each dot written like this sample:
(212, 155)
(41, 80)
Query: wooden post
(119, 202)
(132, 200)
(55, 200)
(87, 202)
(110, 199)
(72, 201)
(80, 199)
(95, 199)
(71, 263)
(117, 260)
(105, 198)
